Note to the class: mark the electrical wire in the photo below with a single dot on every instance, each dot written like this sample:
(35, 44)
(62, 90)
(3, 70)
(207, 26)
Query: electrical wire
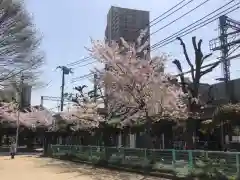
(85, 59)
(81, 77)
(234, 50)
(86, 64)
(198, 6)
(170, 13)
(180, 31)
(208, 65)
(172, 8)
(153, 48)
(88, 58)
(189, 32)
(183, 73)
(192, 29)
(156, 46)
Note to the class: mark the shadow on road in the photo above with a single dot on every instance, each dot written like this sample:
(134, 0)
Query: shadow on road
(93, 172)
(30, 154)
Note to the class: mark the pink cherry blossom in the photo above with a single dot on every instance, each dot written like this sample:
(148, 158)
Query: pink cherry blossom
(84, 115)
(139, 85)
(33, 117)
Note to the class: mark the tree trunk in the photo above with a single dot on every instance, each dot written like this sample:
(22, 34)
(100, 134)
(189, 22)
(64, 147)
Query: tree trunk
(149, 140)
(46, 144)
(148, 133)
(30, 140)
(105, 134)
(1, 136)
(190, 129)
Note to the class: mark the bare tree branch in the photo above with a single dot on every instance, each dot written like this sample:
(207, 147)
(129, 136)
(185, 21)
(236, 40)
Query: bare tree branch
(186, 56)
(210, 69)
(179, 66)
(197, 74)
(19, 42)
(205, 57)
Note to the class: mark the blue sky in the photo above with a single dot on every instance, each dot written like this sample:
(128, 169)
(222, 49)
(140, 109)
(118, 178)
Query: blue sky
(67, 25)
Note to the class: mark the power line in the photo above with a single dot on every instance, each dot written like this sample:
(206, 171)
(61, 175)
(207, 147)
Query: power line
(206, 23)
(157, 44)
(208, 65)
(84, 76)
(88, 75)
(170, 13)
(88, 58)
(174, 34)
(85, 59)
(193, 30)
(198, 6)
(183, 73)
(81, 77)
(234, 50)
(86, 64)
(184, 32)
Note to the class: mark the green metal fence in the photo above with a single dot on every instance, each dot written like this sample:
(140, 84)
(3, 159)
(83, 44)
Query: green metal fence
(179, 162)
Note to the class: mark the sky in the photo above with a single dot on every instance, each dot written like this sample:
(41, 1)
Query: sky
(67, 27)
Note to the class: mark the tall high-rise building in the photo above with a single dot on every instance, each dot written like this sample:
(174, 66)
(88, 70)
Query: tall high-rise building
(11, 93)
(126, 23)
(26, 95)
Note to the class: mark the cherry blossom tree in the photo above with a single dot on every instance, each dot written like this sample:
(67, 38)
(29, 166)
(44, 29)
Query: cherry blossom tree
(32, 117)
(84, 114)
(136, 86)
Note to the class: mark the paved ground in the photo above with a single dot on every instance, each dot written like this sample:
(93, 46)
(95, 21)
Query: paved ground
(34, 168)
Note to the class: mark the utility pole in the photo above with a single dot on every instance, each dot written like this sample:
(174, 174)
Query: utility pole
(95, 87)
(19, 109)
(226, 42)
(229, 37)
(65, 71)
(62, 89)
(224, 52)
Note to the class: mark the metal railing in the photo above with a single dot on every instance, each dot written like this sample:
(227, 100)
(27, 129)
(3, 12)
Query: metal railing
(179, 162)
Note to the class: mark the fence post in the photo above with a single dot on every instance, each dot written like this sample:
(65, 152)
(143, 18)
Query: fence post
(174, 158)
(206, 155)
(90, 152)
(69, 149)
(237, 163)
(123, 154)
(49, 150)
(145, 154)
(190, 159)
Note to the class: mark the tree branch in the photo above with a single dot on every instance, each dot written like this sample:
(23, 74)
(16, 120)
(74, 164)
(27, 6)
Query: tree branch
(209, 69)
(199, 44)
(205, 57)
(186, 56)
(179, 67)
